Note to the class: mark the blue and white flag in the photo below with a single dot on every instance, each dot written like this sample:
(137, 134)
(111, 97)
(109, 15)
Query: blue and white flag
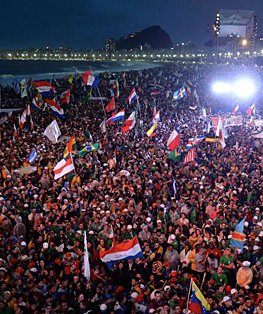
(32, 157)
(179, 94)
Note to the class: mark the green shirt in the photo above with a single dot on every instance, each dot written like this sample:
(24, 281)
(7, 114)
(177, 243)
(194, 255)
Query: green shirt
(226, 261)
(219, 279)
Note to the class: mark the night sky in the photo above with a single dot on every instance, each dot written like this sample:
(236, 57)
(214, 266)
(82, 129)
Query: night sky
(88, 23)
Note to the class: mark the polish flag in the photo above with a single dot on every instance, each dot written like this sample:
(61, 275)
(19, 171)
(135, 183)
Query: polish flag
(174, 140)
(63, 167)
(111, 105)
(129, 123)
(85, 76)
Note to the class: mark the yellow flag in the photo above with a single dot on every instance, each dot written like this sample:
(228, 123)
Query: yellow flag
(150, 132)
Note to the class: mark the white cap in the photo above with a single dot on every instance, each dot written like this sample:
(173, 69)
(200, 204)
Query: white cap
(259, 224)
(23, 243)
(159, 221)
(148, 219)
(257, 208)
(45, 245)
(172, 237)
(103, 307)
(33, 270)
(246, 224)
(166, 288)
(91, 232)
(246, 263)
(255, 217)
(134, 295)
(233, 291)
(226, 298)
(129, 227)
(255, 247)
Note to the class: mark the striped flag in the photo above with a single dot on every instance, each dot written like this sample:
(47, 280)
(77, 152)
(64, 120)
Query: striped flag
(190, 157)
(70, 146)
(63, 167)
(129, 123)
(238, 237)
(173, 140)
(251, 110)
(33, 156)
(86, 258)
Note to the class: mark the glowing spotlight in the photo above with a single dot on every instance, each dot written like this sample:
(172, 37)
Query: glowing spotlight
(244, 88)
(221, 87)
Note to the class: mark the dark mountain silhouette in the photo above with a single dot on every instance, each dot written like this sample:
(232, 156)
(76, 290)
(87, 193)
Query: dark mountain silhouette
(153, 37)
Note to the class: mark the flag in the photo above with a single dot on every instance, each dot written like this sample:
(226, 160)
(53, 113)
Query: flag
(23, 88)
(212, 140)
(52, 131)
(174, 156)
(235, 110)
(122, 251)
(204, 112)
(173, 140)
(63, 167)
(93, 81)
(195, 140)
(44, 88)
(65, 97)
(86, 258)
(88, 148)
(251, 110)
(116, 89)
(85, 76)
(111, 105)
(174, 185)
(33, 156)
(71, 79)
(35, 104)
(156, 116)
(220, 132)
(238, 237)
(190, 157)
(55, 107)
(23, 118)
(198, 303)
(179, 94)
(129, 123)
(132, 96)
(103, 127)
(152, 129)
(116, 117)
(71, 145)
(15, 134)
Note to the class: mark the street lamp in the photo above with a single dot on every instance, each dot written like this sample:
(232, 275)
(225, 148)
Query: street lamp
(244, 42)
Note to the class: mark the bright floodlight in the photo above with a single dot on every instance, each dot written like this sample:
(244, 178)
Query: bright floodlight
(244, 88)
(221, 87)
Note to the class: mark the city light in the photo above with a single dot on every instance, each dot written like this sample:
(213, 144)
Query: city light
(244, 42)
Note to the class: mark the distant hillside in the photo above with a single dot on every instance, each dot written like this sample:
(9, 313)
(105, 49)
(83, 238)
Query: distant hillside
(154, 37)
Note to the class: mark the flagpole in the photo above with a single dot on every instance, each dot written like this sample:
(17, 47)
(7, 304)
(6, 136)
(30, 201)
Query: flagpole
(188, 297)
(105, 116)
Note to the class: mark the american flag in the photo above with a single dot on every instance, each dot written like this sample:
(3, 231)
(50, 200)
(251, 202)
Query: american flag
(190, 156)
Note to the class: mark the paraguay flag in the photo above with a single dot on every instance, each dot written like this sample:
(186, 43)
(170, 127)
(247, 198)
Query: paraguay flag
(46, 89)
(116, 117)
(122, 251)
(238, 237)
(55, 107)
(132, 96)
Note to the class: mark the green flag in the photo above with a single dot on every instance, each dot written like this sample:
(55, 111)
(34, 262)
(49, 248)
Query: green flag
(174, 156)
(88, 148)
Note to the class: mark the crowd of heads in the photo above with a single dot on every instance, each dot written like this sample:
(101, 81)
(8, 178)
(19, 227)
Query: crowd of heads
(126, 189)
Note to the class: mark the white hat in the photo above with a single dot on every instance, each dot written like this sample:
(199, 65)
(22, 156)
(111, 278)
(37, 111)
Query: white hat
(91, 232)
(148, 219)
(226, 298)
(23, 243)
(166, 288)
(159, 221)
(246, 224)
(255, 217)
(172, 237)
(129, 227)
(134, 295)
(246, 263)
(125, 210)
(33, 269)
(259, 224)
(257, 239)
(257, 208)
(45, 245)
(162, 206)
(255, 247)
(233, 291)
(103, 307)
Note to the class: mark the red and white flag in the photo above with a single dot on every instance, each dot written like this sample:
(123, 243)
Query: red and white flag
(251, 110)
(220, 132)
(190, 157)
(111, 105)
(173, 140)
(65, 97)
(23, 117)
(63, 167)
(85, 76)
(235, 110)
(129, 123)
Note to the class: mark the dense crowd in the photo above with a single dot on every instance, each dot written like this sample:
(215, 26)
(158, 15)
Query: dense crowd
(184, 232)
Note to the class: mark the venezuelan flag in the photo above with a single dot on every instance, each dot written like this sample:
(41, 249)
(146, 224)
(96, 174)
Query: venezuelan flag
(198, 302)
(238, 237)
